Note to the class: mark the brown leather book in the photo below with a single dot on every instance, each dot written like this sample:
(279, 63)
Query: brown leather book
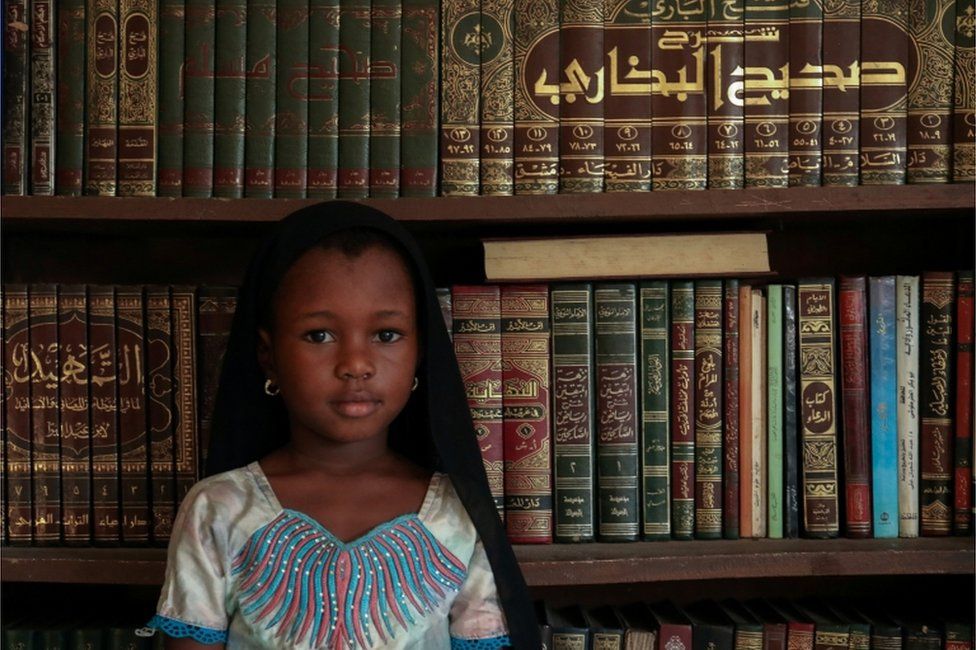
(708, 409)
(581, 115)
(45, 452)
(766, 93)
(159, 404)
(17, 412)
(841, 92)
(745, 411)
(215, 314)
(184, 349)
(497, 98)
(726, 126)
(103, 378)
(806, 93)
(130, 357)
(74, 404)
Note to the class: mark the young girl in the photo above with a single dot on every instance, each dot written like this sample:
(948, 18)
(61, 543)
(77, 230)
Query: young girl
(347, 504)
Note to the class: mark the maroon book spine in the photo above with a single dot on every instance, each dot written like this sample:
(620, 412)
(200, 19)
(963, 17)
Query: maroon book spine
(185, 438)
(159, 404)
(730, 432)
(806, 93)
(215, 313)
(581, 104)
(841, 92)
(963, 520)
(726, 126)
(855, 404)
(75, 438)
(133, 442)
(103, 373)
(46, 452)
(16, 97)
(17, 407)
(682, 409)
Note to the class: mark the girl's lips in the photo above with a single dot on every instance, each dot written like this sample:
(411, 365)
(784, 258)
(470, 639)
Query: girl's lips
(356, 407)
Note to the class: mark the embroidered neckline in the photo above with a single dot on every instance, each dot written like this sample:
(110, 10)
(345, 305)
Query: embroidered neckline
(378, 529)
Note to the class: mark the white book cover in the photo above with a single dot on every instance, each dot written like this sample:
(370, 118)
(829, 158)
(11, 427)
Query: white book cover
(907, 343)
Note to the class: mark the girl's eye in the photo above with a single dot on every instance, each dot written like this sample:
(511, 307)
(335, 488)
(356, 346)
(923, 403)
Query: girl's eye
(388, 336)
(318, 336)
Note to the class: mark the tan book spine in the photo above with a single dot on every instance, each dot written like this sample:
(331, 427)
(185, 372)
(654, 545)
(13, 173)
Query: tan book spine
(497, 97)
(460, 97)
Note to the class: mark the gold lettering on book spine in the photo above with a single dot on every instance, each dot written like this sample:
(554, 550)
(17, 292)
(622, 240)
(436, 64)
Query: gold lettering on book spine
(932, 29)
(460, 97)
(497, 97)
(184, 367)
(964, 109)
(137, 97)
(102, 103)
(536, 130)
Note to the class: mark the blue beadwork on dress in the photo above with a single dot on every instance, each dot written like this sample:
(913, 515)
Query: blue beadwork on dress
(493, 643)
(181, 630)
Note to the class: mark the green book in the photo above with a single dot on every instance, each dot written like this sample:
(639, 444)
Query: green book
(291, 123)
(384, 99)
(419, 105)
(15, 99)
(323, 98)
(774, 410)
(655, 410)
(70, 144)
(43, 86)
(259, 91)
(354, 87)
(682, 369)
(198, 93)
(172, 39)
(229, 90)
(18, 636)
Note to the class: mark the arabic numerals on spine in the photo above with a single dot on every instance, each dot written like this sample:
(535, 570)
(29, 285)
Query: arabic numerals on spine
(198, 84)
(291, 117)
(102, 373)
(229, 97)
(43, 30)
(766, 93)
(726, 121)
(654, 400)
(45, 367)
(137, 98)
(172, 38)
(497, 97)
(806, 93)
(70, 144)
(323, 98)
(964, 102)
(74, 406)
(460, 97)
(708, 409)
(932, 31)
(384, 97)
(15, 100)
(130, 357)
(841, 93)
(354, 88)
(260, 94)
(17, 412)
(682, 414)
(419, 107)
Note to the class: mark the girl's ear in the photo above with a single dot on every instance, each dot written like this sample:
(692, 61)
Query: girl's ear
(265, 354)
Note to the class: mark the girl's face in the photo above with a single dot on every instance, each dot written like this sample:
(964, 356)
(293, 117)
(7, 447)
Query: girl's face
(344, 345)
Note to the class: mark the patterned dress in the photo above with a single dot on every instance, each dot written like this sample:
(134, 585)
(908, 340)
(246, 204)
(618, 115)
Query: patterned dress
(246, 572)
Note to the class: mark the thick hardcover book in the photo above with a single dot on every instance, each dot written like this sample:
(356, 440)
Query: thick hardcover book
(745, 411)
(419, 73)
(323, 98)
(831, 633)
(138, 71)
(958, 635)
(159, 404)
(726, 117)
(708, 409)
(15, 97)
(920, 636)
(354, 87)
(627, 107)
(730, 402)
(525, 410)
(799, 630)
(748, 630)
(573, 421)
(101, 91)
(841, 92)
(806, 93)
(260, 85)
(605, 627)
(931, 27)
(655, 377)
(497, 97)
(17, 413)
(618, 437)
(756, 471)
(7, 379)
(936, 366)
(884, 91)
(537, 37)
(172, 40)
(774, 623)
(673, 628)
(639, 626)
(569, 629)
(198, 94)
(478, 348)
(460, 106)
(74, 405)
(230, 75)
(130, 360)
(818, 406)
(680, 135)
(964, 97)
(774, 411)
(963, 497)
(45, 453)
(856, 405)
(764, 85)
(384, 99)
(860, 638)
(791, 447)
(43, 34)
(884, 413)
(291, 117)
(185, 437)
(581, 61)
(103, 378)
(682, 409)
(906, 347)
(711, 628)
(70, 144)
(215, 313)
(886, 633)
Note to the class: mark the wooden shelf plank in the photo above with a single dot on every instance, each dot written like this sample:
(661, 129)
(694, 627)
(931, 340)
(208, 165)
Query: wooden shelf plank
(576, 208)
(577, 564)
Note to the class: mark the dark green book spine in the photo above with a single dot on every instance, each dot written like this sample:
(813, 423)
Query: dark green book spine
(198, 85)
(419, 73)
(138, 92)
(460, 85)
(18, 637)
(101, 118)
(172, 38)
(384, 99)
(355, 40)
(15, 97)
(617, 400)
(70, 144)
(708, 409)
(497, 99)
(259, 90)
(291, 126)
(323, 98)
(655, 385)
(573, 425)
(682, 409)
(791, 428)
(229, 88)
(42, 108)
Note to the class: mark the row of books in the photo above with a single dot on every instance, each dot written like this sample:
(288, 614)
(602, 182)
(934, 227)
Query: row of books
(321, 98)
(41, 634)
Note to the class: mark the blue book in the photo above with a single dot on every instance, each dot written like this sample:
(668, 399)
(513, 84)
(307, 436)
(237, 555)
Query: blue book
(884, 407)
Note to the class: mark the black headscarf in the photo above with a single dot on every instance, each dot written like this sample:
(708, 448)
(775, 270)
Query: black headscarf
(434, 429)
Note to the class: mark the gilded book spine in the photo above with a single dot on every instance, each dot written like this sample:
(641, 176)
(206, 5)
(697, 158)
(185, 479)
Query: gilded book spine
(229, 92)
(884, 91)
(730, 402)
(962, 521)
(45, 454)
(184, 350)
(931, 26)
(198, 92)
(682, 409)
(726, 125)
(419, 106)
(767, 105)
(291, 118)
(172, 38)
(497, 97)
(460, 97)
(841, 92)
(679, 138)
(137, 97)
(818, 407)
(536, 115)
(42, 101)
(102, 371)
(354, 87)
(70, 145)
(259, 98)
(323, 99)
(159, 403)
(708, 409)
(384, 98)
(101, 90)
(74, 405)
(806, 93)
(964, 98)
(655, 388)
(15, 97)
(17, 405)
(581, 52)
(130, 358)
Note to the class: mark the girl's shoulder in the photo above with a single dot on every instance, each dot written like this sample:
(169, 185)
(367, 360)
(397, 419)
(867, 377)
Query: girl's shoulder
(228, 496)
(445, 515)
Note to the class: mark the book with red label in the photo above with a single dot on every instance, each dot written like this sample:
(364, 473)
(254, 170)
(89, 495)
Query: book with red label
(730, 404)
(130, 358)
(525, 410)
(841, 92)
(17, 414)
(137, 97)
(419, 74)
(323, 99)
(708, 409)
(963, 509)
(497, 98)
(169, 126)
(43, 79)
(159, 405)
(15, 97)
(198, 93)
(856, 405)
(215, 313)
(291, 118)
(726, 127)
(386, 35)
(354, 89)
(45, 452)
(581, 109)
(230, 50)
(70, 143)
(101, 133)
(74, 404)
(103, 379)
(537, 36)
(184, 350)
(682, 409)
(931, 27)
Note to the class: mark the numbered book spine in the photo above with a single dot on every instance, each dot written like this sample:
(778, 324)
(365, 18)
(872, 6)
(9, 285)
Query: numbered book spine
(354, 89)
(841, 92)
(766, 92)
(525, 396)
(159, 403)
(185, 436)
(730, 404)
(291, 127)
(130, 357)
(45, 453)
(907, 346)
(460, 97)
(884, 425)
(103, 379)
(74, 406)
(17, 412)
(229, 95)
(323, 98)
(259, 98)
(818, 407)
(137, 97)
(172, 41)
(963, 507)
(573, 421)
(384, 97)
(806, 94)
(537, 37)
(581, 114)
(774, 411)
(931, 27)
(884, 91)
(618, 444)
(497, 97)
(198, 93)
(708, 409)
(964, 97)
(15, 97)
(726, 118)
(43, 31)
(103, 82)
(682, 409)
(655, 376)
(419, 107)
(70, 144)
(215, 313)
(791, 453)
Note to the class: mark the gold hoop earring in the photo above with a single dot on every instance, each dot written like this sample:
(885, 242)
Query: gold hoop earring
(416, 382)
(271, 389)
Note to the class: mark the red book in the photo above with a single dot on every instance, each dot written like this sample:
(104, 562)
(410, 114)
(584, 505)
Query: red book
(17, 414)
(963, 520)
(130, 359)
(45, 451)
(103, 375)
(74, 405)
(855, 405)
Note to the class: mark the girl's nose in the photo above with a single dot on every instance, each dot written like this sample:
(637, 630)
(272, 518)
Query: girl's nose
(355, 363)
